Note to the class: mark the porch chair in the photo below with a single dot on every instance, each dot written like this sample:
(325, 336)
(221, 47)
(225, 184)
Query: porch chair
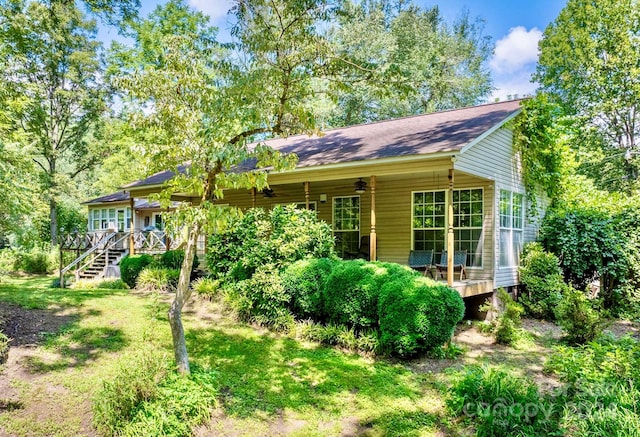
(365, 248)
(421, 260)
(459, 261)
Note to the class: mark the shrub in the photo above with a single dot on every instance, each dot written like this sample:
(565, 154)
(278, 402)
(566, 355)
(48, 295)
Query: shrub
(305, 281)
(136, 381)
(602, 392)
(417, 314)
(131, 266)
(158, 279)
(172, 259)
(502, 404)
(579, 317)
(278, 237)
(35, 261)
(508, 322)
(206, 287)
(146, 398)
(541, 278)
(261, 299)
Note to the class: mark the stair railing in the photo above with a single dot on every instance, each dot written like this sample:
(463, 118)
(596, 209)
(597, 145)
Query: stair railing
(101, 243)
(105, 252)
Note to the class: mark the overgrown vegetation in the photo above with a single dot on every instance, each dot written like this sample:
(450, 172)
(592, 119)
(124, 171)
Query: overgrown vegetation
(4, 348)
(581, 318)
(541, 281)
(507, 323)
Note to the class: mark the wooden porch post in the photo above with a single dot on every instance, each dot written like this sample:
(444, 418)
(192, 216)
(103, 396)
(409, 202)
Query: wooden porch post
(450, 244)
(373, 238)
(306, 194)
(131, 224)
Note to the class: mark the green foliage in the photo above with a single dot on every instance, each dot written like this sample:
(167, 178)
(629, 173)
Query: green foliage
(131, 266)
(4, 348)
(36, 261)
(386, 39)
(146, 398)
(502, 404)
(136, 381)
(416, 314)
(305, 282)
(508, 322)
(172, 259)
(537, 139)
(542, 282)
(158, 279)
(580, 318)
(112, 284)
(602, 392)
(590, 246)
(351, 293)
(206, 287)
(279, 237)
(589, 65)
(338, 335)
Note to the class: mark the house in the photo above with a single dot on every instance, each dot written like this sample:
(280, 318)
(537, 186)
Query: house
(393, 182)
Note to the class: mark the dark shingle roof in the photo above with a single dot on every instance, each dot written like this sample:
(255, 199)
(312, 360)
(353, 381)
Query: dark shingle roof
(123, 196)
(446, 131)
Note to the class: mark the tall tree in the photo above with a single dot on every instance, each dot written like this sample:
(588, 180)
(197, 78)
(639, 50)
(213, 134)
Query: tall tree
(416, 62)
(49, 63)
(590, 64)
(202, 104)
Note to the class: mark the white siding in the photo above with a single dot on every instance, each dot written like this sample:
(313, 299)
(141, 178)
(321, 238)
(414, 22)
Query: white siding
(493, 158)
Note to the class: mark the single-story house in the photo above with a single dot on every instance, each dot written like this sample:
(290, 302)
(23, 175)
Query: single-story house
(391, 184)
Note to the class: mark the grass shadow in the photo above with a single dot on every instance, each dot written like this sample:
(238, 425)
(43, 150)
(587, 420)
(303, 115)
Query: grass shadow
(266, 375)
(78, 346)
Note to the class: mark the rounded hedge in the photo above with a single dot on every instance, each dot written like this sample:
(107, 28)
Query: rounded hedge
(131, 266)
(305, 281)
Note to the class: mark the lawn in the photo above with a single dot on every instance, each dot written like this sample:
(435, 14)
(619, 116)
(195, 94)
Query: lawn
(67, 342)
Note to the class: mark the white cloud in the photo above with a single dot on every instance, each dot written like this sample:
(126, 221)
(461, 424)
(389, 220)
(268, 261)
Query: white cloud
(216, 9)
(516, 51)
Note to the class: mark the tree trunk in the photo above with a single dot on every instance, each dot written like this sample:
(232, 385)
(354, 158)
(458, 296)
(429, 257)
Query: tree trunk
(53, 216)
(182, 295)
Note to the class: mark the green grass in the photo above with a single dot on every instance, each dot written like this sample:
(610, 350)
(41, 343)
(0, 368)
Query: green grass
(264, 381)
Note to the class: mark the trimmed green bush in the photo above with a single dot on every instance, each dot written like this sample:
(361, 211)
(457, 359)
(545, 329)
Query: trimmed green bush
(305, 281)
(541, 278)
(579, 317)
(131, 266)
(417, 314)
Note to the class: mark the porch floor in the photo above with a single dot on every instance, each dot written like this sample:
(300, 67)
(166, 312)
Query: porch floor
(472, 287)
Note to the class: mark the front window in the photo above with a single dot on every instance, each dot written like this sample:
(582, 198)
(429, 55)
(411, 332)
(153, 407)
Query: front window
(101, 219)
(430, 227)
(346, 224)
(511, 225)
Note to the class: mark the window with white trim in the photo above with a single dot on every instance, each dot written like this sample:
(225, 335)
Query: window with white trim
(430, 227)
(346, 224)
(511, 227)
(101, 219)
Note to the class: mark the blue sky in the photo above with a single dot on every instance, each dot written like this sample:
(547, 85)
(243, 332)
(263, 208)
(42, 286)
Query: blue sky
(515, 28)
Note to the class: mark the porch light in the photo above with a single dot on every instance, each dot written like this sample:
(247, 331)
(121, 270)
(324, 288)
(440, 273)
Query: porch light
(360, 186)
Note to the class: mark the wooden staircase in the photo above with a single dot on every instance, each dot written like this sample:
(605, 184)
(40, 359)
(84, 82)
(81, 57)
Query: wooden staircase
(98, 267)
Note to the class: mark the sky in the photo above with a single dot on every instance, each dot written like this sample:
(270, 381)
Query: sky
(514, 26)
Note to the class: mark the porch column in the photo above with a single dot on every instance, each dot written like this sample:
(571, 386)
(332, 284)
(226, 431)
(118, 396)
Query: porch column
(373, 238)
(131, 224)
(306, 194)
(450, 230)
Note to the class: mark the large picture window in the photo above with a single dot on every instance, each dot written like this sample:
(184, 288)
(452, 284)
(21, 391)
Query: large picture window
(346, 225)
(511, 225)
(430, 227)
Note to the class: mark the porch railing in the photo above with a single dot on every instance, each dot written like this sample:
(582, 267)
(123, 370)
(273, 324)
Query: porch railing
(101, 240)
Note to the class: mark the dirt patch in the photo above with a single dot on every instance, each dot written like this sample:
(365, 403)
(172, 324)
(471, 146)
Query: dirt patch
(28, 327)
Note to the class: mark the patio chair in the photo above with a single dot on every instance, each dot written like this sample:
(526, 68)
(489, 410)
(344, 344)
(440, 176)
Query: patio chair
(459, 261)
(365, 248)
(421, 260)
